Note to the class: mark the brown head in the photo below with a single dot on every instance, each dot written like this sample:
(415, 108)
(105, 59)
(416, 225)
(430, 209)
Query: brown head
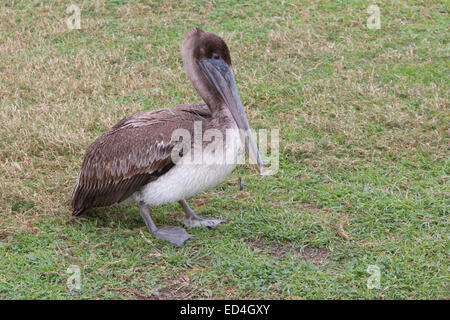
(199, 46)
(207, 62)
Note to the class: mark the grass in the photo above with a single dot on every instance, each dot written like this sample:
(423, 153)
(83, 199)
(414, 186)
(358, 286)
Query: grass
(363, 117)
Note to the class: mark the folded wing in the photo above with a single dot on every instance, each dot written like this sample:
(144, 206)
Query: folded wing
(136, 151)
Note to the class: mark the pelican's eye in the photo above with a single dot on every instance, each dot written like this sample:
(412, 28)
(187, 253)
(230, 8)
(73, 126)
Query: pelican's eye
(215, 56)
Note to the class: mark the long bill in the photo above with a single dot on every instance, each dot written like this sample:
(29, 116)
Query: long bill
(222, 77)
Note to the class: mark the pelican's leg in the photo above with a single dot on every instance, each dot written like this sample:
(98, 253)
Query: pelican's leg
(175, 235)
(193, 220)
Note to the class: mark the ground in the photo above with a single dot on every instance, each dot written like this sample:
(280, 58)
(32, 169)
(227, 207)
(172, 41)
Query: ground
(363, 179)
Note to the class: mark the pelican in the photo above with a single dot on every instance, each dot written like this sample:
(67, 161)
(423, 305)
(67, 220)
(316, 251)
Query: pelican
(134, 160)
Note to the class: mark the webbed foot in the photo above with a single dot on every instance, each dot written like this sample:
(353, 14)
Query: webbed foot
(193, 220)
(175, 235)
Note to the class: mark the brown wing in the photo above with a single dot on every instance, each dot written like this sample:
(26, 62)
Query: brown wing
(133, 153)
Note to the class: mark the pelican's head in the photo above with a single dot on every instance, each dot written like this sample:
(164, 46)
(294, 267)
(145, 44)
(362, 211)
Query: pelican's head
(207, 61)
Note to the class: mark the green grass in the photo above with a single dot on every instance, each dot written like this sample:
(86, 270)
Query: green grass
(363, 180)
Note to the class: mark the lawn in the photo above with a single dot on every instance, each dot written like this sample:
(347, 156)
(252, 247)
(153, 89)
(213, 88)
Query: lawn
(363, 172)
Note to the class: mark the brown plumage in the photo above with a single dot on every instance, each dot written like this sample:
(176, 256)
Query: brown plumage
(130, 155)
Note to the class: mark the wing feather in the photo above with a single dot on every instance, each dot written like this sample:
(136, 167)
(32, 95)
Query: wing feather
(133, 153)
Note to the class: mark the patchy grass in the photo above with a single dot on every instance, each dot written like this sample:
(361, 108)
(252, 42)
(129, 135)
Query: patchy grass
(363, 117)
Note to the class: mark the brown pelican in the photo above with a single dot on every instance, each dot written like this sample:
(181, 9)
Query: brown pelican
(134, 160)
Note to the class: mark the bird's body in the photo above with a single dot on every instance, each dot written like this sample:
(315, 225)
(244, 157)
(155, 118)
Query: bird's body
(186, 179)
(127, 156)
(139, 158)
